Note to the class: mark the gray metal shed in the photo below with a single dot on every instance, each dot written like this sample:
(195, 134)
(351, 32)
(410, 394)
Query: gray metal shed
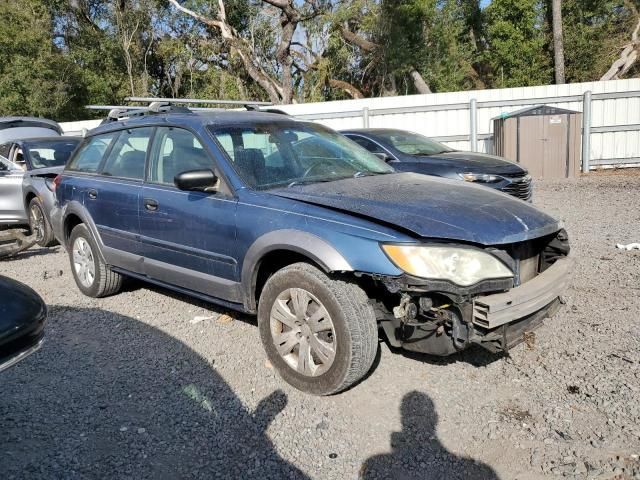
(546, 140)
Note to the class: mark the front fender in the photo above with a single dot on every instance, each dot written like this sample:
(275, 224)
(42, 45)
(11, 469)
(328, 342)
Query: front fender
(307, 244)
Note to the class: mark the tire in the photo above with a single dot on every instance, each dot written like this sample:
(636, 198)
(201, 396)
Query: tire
(104, 281)
(39, 223)
(351, 332)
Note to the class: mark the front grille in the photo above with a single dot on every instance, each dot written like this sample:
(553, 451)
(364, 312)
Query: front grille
(520, 187)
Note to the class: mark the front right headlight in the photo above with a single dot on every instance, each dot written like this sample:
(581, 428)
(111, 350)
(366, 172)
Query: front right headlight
(461, 265)
(479, 177)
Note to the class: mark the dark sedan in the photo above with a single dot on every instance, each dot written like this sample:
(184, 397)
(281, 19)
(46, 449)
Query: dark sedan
(23, 315)
(411, 152)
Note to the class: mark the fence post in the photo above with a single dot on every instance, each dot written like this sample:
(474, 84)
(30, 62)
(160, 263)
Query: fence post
(365, 117)
(586, 131)
(473, 124)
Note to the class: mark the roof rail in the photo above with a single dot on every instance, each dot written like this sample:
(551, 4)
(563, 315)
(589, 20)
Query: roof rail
(196, 101)
(166, 105)
(121, 112)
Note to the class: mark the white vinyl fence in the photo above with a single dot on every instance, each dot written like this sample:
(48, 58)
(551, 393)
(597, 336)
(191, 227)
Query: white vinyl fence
(463, 120)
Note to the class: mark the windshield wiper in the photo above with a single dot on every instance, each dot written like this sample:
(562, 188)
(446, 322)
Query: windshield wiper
(369, 174)
(306, 182)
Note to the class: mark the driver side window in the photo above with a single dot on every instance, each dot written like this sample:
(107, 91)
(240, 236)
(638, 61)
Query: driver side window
(175, 151)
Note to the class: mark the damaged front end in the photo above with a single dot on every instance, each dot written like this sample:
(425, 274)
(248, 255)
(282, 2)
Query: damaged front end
(439, 317)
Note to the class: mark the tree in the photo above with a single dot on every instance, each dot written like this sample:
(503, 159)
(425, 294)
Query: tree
(629, 55)
(558, 48)
(517, 44)
(280, 86)
(595, 34)
(36, 77)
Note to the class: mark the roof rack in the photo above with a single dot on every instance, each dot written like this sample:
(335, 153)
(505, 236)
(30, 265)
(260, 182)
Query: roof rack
(121, 112)
(167, 105)
(196, 101)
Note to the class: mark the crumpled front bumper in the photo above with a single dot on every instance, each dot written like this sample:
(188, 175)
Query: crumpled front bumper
(491, 311)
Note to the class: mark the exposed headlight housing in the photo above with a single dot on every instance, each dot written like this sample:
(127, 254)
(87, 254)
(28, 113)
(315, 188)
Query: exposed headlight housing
(461, 265)
(479, 177)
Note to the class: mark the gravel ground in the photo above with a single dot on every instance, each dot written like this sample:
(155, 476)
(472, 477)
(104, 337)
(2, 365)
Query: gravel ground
(149, 384)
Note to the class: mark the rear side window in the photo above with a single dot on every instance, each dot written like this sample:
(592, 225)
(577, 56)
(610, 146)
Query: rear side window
(128, 155)
(90, 154)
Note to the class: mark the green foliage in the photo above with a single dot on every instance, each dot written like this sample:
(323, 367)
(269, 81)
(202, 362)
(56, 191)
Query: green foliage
(56, 56)
(517, 44)
(36, 78)
(594, 32)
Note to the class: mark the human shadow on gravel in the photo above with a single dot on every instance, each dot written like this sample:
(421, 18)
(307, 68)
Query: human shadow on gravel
(108, 396)
(416, 452)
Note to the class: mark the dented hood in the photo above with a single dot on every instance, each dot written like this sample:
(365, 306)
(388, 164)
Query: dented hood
(431, 207)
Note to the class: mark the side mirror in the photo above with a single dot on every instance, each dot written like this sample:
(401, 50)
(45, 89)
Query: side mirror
(383, 156)
(199, 180)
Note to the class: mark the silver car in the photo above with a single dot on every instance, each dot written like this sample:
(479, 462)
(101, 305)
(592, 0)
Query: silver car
(26, 191)
(12, 211)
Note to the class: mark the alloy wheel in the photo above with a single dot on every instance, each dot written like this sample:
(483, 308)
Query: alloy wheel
(36, 221)
(303, 332)
(83, 262)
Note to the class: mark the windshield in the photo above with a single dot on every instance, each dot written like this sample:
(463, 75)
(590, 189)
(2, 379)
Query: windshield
(50, 153)
(287, 154)
(413, 144)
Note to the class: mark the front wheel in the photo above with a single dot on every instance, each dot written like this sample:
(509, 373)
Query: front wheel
(39, 224)
(320, 334)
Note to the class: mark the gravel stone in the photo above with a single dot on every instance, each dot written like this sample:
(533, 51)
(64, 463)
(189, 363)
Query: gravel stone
(213, 408)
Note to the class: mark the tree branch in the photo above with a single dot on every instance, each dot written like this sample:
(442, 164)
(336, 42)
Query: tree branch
(629, 54)
(352, 91)
(357, 40)
(239, 46)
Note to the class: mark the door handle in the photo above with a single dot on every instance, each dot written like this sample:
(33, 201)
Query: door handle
(151, 204)
(93, 194)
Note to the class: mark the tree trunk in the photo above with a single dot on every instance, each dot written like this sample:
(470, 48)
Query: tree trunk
(558, 46)
(418, 82)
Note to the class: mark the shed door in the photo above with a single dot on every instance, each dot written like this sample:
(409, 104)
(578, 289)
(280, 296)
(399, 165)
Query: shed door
(556, 153)
(544, 145)
(531, 135)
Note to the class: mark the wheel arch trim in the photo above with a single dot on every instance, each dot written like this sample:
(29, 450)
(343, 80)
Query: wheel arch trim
(311, 246)
(78, 210)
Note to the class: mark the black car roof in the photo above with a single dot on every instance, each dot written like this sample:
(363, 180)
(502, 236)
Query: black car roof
(195, 118)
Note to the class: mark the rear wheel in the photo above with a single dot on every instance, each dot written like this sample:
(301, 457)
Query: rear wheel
(39, 224)
(320, 334)
(93, 277)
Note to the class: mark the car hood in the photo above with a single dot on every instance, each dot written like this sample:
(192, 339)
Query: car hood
(22, 311)
(430, 207)
(46, 172)
(475, 162)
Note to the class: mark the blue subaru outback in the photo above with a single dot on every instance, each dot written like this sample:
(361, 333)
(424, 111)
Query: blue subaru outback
(325, 242)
